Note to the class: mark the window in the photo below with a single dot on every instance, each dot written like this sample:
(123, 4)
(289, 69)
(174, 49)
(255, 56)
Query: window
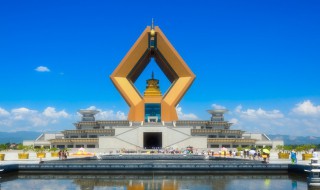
(93, 136)
(79, 145)
(152, 110)
(91, 146)
(83, 136)
(70, 146)
(60, 146)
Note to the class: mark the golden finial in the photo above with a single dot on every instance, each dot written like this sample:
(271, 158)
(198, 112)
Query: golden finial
(152, 32)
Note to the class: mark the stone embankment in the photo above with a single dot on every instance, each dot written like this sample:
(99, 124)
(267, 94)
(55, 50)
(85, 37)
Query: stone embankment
(143, 163)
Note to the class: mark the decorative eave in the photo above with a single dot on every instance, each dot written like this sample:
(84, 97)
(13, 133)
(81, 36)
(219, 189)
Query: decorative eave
(75, 140)
(215, 131)
(86, 123)
(90, 131)
(231, 140)
(202, 123)
(102, 123)
(113, 122)
(191, 123)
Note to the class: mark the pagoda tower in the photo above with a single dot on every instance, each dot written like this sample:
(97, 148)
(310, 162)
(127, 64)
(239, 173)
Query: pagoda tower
(152, 88)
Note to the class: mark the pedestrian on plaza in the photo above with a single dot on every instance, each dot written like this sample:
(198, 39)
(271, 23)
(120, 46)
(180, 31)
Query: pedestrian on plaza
(241, 153)
(315, 154)
(293, 156)
(60, 155)
(65, 154)
(264, 157)
(314, 157)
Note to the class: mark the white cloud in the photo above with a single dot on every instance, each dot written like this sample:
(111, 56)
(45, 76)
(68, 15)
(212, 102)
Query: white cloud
(184, 116)
(52, 113)
(23, 113)
(296, 122)
(92, 108)
(108, 114)
(4, 112)
(234, 121)
(259, 113)
(216, 106)
(111, 115)
(42, 69)
(306, 108)
(28, 119)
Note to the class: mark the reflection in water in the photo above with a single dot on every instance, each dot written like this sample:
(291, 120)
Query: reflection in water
(153, 182)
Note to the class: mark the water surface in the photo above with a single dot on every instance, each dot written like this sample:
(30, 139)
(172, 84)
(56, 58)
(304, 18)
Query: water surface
(153, 182)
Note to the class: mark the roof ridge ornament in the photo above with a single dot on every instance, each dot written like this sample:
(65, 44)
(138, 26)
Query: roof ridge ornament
(152, 31)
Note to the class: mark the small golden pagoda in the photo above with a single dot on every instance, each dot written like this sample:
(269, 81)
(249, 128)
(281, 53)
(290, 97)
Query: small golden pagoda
(152, 88)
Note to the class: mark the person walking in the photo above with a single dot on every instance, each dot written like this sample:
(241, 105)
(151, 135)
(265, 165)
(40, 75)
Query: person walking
(60, 155)
(315, 154)
(314, 157)
(293, 156)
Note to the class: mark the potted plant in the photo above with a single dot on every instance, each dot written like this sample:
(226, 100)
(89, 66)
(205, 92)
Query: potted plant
(41, 152)
(3, 147)
(25, 151)
(306, 148)
(283, 151)
(54, 152)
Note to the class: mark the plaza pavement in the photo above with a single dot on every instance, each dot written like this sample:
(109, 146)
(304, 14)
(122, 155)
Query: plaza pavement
(12, 158)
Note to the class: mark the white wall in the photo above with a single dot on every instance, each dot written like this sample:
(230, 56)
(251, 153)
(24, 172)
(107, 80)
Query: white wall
(132, 138)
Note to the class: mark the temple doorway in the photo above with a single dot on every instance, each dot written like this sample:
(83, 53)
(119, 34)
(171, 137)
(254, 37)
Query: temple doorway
(152, 140)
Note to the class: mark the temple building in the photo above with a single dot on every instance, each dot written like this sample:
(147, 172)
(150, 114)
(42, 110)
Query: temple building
(151, 133)
(152, 119)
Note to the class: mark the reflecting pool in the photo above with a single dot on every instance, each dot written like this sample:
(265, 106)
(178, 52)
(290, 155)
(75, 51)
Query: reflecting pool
(153, 182)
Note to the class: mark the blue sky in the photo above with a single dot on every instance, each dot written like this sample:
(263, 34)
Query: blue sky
(259, 59)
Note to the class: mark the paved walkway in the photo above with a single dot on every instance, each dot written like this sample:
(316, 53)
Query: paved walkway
(12, 158)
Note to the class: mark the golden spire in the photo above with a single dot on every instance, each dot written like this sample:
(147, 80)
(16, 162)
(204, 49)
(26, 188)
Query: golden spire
(152, 88)
(152, 24)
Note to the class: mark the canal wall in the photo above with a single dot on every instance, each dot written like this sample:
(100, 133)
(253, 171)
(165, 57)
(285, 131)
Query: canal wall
(154, 164)
(149, 167)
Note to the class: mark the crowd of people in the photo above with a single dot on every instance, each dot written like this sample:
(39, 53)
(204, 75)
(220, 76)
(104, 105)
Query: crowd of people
(260, 154)
(63, 154)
